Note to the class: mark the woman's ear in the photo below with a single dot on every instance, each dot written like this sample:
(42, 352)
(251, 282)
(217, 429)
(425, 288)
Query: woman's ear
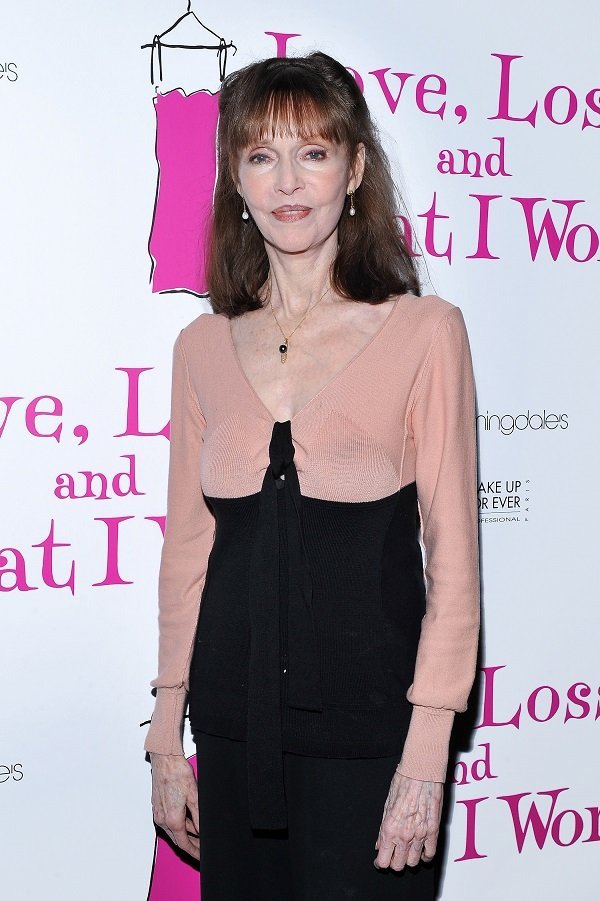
(357, 168)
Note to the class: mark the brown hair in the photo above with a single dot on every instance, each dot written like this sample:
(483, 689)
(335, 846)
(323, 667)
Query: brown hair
(312, 96)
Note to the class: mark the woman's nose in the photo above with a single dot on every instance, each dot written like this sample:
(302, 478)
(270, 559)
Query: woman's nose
(288, 176)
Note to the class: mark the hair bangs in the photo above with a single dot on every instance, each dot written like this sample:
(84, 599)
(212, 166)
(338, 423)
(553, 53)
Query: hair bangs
(289, 110)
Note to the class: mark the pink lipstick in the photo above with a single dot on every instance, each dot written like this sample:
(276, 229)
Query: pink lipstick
(291, 212)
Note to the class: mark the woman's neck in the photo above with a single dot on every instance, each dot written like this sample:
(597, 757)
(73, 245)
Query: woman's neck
(298, 281)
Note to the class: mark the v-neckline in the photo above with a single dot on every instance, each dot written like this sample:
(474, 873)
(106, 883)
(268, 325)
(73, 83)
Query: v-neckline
(334, 378)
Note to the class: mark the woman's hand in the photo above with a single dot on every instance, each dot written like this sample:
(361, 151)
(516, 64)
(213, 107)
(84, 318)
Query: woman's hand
(175, 801)
(410, 825)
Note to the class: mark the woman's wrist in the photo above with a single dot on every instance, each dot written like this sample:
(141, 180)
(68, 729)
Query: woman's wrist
(165, 735)
(425, 753)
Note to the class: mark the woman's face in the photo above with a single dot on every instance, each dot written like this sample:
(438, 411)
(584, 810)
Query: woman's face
(295, 189)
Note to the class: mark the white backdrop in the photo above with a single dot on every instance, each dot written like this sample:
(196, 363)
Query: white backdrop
(514, 245)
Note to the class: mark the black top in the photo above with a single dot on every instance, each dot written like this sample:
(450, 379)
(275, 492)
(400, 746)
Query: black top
(308, 628)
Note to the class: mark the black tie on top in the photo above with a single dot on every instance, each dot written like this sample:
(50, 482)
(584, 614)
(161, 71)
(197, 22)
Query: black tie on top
(266, 790)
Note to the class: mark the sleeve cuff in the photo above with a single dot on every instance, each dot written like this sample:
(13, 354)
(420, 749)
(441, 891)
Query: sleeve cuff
(165, 734)
(425, 754)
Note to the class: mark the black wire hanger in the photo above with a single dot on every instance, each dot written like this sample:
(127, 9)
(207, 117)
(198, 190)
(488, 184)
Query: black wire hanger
(158, 43)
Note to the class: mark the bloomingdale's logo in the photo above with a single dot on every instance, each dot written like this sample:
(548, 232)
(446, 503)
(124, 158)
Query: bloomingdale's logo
(11, 772)
(8, 71)
(507, 423)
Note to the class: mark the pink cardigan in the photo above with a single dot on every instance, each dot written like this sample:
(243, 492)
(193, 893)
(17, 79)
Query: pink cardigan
(401, 410)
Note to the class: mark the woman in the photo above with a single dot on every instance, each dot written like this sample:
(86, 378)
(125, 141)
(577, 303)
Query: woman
(324, 665)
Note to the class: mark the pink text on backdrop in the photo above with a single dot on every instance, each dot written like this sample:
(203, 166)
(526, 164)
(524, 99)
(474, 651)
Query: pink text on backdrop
(560, 104)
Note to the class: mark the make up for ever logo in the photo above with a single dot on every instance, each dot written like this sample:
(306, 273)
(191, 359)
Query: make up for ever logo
(504, 501)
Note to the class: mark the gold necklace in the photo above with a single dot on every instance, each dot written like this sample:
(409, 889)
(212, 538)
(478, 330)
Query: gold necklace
(283, 348)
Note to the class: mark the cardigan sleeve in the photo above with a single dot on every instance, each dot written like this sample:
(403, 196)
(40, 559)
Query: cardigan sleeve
(444, 432)
(188, 539)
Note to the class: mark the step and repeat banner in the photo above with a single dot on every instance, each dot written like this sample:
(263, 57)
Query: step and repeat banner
(492, 124)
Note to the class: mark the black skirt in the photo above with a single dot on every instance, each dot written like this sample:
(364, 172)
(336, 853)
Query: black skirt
(335, 808)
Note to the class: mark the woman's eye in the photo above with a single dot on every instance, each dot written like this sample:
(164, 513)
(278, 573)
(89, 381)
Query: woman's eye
(258, 158)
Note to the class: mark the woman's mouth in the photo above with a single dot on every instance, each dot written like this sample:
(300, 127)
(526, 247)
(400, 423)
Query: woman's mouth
(291, 213)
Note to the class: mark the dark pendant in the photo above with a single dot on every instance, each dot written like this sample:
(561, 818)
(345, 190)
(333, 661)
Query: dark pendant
(283, 351)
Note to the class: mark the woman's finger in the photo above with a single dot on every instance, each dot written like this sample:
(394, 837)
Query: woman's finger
(192, 832)
(430, 846)
(385, 852)
(181, 830)
(176, 826)
(399, 857)
(413, 857)
(192, 805)
(433, 822)
(187, 843)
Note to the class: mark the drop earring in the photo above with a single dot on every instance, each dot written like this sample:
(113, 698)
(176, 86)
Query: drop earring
(352, 210)
(245, 213)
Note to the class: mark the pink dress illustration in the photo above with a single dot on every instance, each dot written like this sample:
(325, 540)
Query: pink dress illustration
(172, 876)
(186, 126)
(186, 130)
